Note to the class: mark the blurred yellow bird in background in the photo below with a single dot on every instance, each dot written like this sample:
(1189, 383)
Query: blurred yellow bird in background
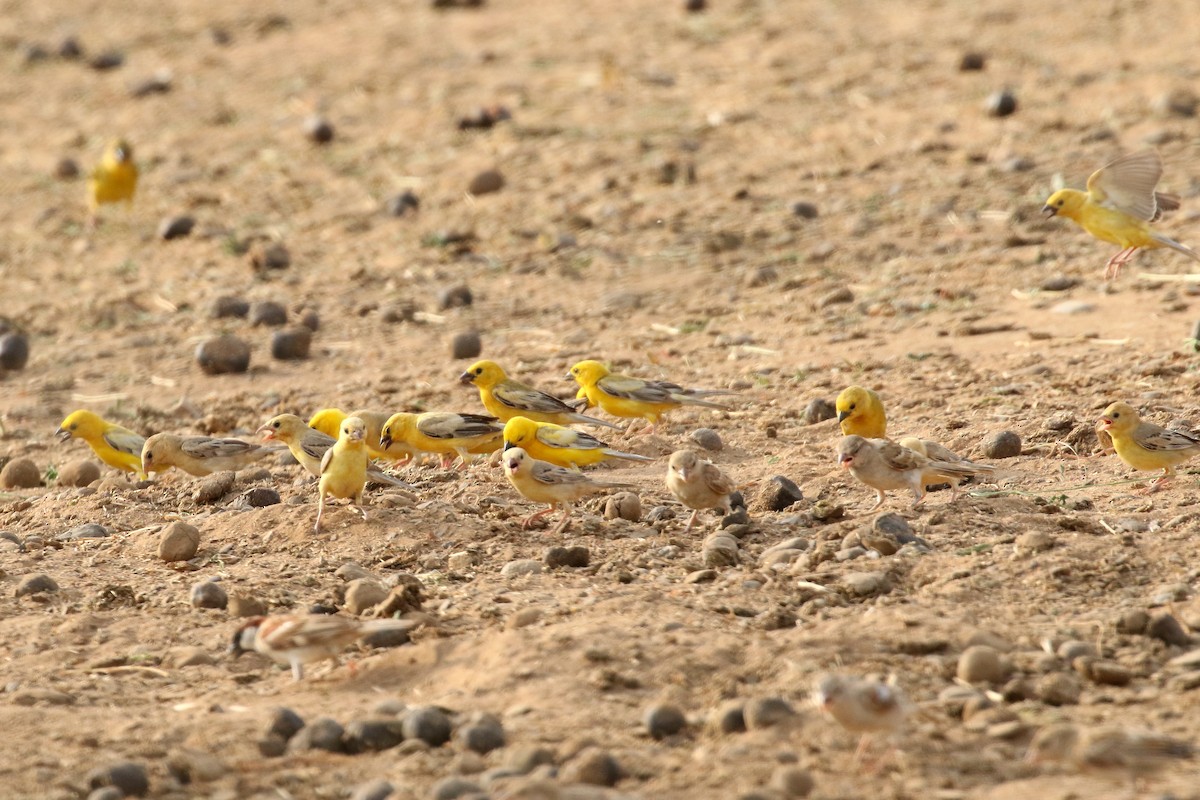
(1119, 202)
(116, 446)
(113, 180)
(329, 422)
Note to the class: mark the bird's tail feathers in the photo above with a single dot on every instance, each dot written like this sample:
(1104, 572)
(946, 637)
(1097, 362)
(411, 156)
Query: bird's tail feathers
(1167, 241)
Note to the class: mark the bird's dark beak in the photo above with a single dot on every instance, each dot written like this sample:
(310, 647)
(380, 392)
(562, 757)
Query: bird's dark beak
(62, 434)
(568, 377)
(385, 441)
(1049, 211)
(467, 377)
(508, 445)
(842, 415)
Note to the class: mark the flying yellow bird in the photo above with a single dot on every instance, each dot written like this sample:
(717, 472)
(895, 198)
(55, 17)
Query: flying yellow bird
(505, 398)
(565, 447)
(200, 455)
(308, 446)
(329, 421)
(1146, 446)
(624, 396)
(114, 179)
(344, 469)
(543, 482)
(116, 446)
(445, 433)
(1119, 203)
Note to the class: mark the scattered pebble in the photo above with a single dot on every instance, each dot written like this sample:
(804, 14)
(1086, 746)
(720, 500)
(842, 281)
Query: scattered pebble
(372, 735)
(88, 530)
(106, 793)
(1002, 444)
(467, 344)
(707, 439)
(14, 351)
(1166, 628)
(193, 766)
(178, 541)
(213, 488)
(720, 550)
(175, 227)
(81, 472)
(1180, 102)
(730, 717)
(373, 790)
(867, 584)
(524, 617)
(1036, 541)
(663, 720)
(129, 777)
(36, 584)
(399, 205)
(66, 169)
(592, 766)
(268, 313)
(158, 83)
(838, 296)
(1103, 672)
(623, 505)
(1059, 689)
(262, 496)
(792, 781)
(223, 354)
(20, 473)
(767, 712)
(486, 182)
(482, 734)
(521, 566)
(269, 256)
(323, 733)
(1133, 622)
(575, 557)
(1001, 103)
(459, 296)
(982, 663)
(229, 306)
(484, 118)
(972, 61)
(805, 210)
(429, 724)
(1059, 283)
(364, 594)
(291, 344)
(455, 787)
(69, 49)
(694, 6)
(318, 130)
(284, 723)
(105, 61)
(310, 319)
(208, 594)
(244, 605)
(778, 493)
(818, 410)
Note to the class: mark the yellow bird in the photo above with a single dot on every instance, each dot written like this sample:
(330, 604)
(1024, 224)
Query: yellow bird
(309, 446)
(1146, 446)
(200, 455)
(624, 396)
(114, 179)
(116, 446)
(543, 482)
(860, 413)
(344, 469)
(505, 398)
(444, 433)
(565, 447)
(1119, 203)
(329, 421)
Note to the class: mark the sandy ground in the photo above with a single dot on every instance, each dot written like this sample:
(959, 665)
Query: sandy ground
(651, 166)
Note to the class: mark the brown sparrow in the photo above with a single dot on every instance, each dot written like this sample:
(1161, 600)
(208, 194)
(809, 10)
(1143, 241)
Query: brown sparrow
(882, 464)
(861, 706)
(299, 639)
(698, 484)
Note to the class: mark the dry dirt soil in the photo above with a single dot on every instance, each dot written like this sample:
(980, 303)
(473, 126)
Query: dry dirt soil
(651, 167)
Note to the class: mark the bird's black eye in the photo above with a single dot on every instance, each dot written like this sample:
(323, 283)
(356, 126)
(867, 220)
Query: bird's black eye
(76, 425)
(479, 370)
(1116, 414)
(1060, 203)
(853, 406)
(276, 425)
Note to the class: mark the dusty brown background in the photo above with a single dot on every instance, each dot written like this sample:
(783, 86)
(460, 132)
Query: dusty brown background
(928, 214)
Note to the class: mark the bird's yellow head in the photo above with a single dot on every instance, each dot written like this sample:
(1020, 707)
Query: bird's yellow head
(484, 374)
(587, 373)
(1064, 203)
(860, 409)
(283, 428)
(683, 463)
(81, 423)
(353, 429)
(514, 460)
(396, 429)
(328, 421)
(1119, 418)
(518, 431)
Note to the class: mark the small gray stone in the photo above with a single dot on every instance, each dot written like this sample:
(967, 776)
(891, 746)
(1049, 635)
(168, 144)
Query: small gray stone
(363, 594)
(1001, 103)
(372, 735)
(129, 777)
(1133, 622)
(272, 746)
(486, 182)
(818, 410)
(838, 296)
(805, 210)
(269, 256)
(399, 205)
(310, 319)
(663, 720)
(575, 557)
(524, 760)
(110, 59)
(972, 61)
(213, 488)
(779, 493)
(1059, 689)
(373, 790)
(792, 781)
(245, 605)
(767, 712)
(1002, 444)
(178, 542)
(1072, 649)
(88, 530)
(867, 584)
(175, 227)
(459, 296)
(66, 169)
(285, 723)
(1036, 541)
(291, 344)
(739, 518)
(386, 638)
(268, 313)
(521, 566)
(594, 767)
(227, 306)
(707, 439)
(730, 717)
(466, 344)
(36, 584)
(14, 351)
(192, 766)
(1103, 672)
(523, 618)
(262, 496)
(982, 663)
(720, 550)
(20, 473)
(1167, 629)
(623, 505)
(223, 355)
(482, 734)
(208, 594)
(323, 733)
(106, 793)
(317, 129)
(427, 723)
(453, 788)
(82, 472)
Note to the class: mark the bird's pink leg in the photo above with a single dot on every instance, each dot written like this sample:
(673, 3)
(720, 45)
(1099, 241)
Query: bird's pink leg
(532, 518)
(1112, 270)
(566, 520)
(691, 521)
